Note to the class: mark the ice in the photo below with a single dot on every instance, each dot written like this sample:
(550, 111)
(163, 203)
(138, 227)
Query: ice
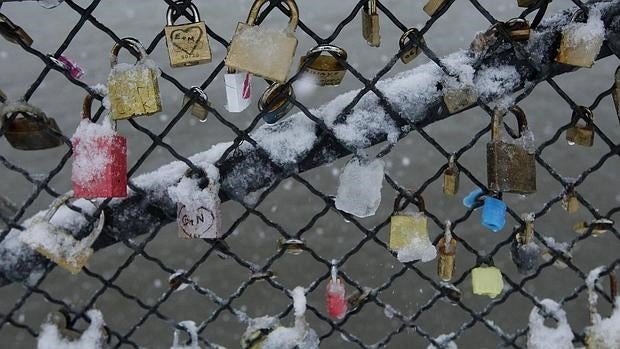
(543, 337)
(421, 249)
(86, 141)
(359, 190)
(92, 338)
(444, 341)
(190, 327)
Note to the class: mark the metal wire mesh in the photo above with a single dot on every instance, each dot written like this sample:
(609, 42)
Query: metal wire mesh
(120, 337)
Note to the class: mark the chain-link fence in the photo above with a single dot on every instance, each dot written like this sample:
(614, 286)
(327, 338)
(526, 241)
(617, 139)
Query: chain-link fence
(244, 276)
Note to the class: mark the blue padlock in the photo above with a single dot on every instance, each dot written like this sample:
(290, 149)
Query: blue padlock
(493, 214)
(470, 200)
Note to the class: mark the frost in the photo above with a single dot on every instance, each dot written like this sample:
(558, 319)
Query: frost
(92, 338)
(190, 326)
(90, 160)
(495, 82)
(444, 341)
(389, 311)
(543, 337)
(359, 190)
(286, 141)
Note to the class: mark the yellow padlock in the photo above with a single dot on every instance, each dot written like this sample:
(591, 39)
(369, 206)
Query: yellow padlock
(405, 226)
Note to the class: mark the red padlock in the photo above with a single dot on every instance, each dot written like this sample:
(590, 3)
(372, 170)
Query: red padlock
(99, 158)
(336, 300)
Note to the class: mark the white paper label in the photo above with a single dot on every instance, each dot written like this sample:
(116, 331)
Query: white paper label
(200, 223)
(238, 91)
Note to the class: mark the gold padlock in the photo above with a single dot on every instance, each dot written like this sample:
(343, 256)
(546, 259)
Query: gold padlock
(292, 246)
(188, 44)
(598, 335)
(446, 264)
(519, 29)
(133, 91)
(458, 99)
(415, 49)
(265, 53)
(582, 131)
(276, 103)
(598, 226)
(33, 131)
(510, 167)
(200, 98)
(12, 32)
(404, 226)
(325, 69)
(616, 92)
(569, 200)
(578, 50)
(370, 23)
(433, 6)
(451, 178)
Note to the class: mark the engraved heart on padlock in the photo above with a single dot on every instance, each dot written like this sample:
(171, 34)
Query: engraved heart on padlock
(196, 224)
(186, 39)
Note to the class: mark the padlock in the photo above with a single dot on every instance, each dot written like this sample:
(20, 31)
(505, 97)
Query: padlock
(292, 246)
(471, 199)
(446, 247)
(406, 226)
(433, 6)
(542, 336)
(493, 214)
(578, 47)
(265, 53)
(510, 167)
(451, 178)
(33, 131)
(238, 90)
(275, 103)
(459, 99)
(12, 32)
(336, 300)
(74, 70)
(198, 215)
(528, 3)
(523, 250)
(582, 130)
(415, 49)
(188, 44)
(133, 91)
(603, 332)
(192, 330)
(598, 226)
(569, 200)
(99, 158)
(487, 281)
(616, 92)
(370, 23)
(58, 244)
(200, 98)
(325, 69)
(519, 29)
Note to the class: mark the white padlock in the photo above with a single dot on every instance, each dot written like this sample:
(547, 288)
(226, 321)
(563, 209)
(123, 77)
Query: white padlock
(238, 91)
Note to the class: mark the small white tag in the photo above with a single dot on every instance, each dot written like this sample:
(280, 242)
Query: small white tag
(238, 91)
(200, 223)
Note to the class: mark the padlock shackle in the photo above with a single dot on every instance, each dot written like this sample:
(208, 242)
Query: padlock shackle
(584, 113)
(579, 16)
(193, 336)
(131, 42)
(593, 299)
(403, 39)
(21, 107)
(12, 32)
(498, 121)
(340, 52)
(418, 200)
(172, 10)
(292, 6)
(273, 91)
(86, 107)
(370, 7)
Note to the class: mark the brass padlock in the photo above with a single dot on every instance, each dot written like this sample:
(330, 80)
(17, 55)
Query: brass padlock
(602, 332)
(292, 246)
(326, 70)
(519, 29)
(133, 91)
(510, 167)
(200, 98)
(598, 227)
(582, 131)
(458, 99)
(275, 103)
(616, 92)
(12, 32)
(451, 178)
(265, 53)
(58, 244)
(188, 44)
(446, 247)
(33, 131)
(415, 49)
(370, 23)
(569, 200)
(433, 6)
(404, 226)
(576, 48)
(523, 250)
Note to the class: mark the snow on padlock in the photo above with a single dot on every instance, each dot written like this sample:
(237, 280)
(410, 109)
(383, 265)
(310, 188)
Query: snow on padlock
(542, 337)
(335, 296)
(99, 158)
(198, 208)
(238, 91)
(603, 333)
(192, 330)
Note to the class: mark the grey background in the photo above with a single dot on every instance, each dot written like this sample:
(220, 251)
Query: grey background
(291, 205)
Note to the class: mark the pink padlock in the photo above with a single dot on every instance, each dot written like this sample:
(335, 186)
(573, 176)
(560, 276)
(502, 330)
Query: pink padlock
(336, 300)
(69, 65)
(99, 158)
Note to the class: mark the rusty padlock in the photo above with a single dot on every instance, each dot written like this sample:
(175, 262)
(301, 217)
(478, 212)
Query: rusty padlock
(200, 99)
(523, 250)
(265, 53)
(33, 131)
(576, 47)
(188, 44)
(275, 103)
(433, 6)
(616, 92)
(446, 248)
(451, 177)
(582, 130)
(415, 49)
(58, 244)
(99, 158)
(371, 30)
(325, 69)
(405, 226)
(602, 332)
(12, 32)
(133, 91)
(510, 167)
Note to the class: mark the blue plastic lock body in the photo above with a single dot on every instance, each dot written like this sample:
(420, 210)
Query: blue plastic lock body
(470, 200)
(493, 214)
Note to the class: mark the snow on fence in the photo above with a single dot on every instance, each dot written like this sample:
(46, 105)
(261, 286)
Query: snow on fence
(502, 72)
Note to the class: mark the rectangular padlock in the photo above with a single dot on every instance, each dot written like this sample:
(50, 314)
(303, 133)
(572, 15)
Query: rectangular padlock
(325, 69)
(415, 49)
(582, 131)
(198, 215)
(451, 179)
(446, 264)
(458, 99)
(405, 226)
(433, 6)
(188, 44)
(370, 23)
(35, 132)
(196, 109)
(577, 47)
